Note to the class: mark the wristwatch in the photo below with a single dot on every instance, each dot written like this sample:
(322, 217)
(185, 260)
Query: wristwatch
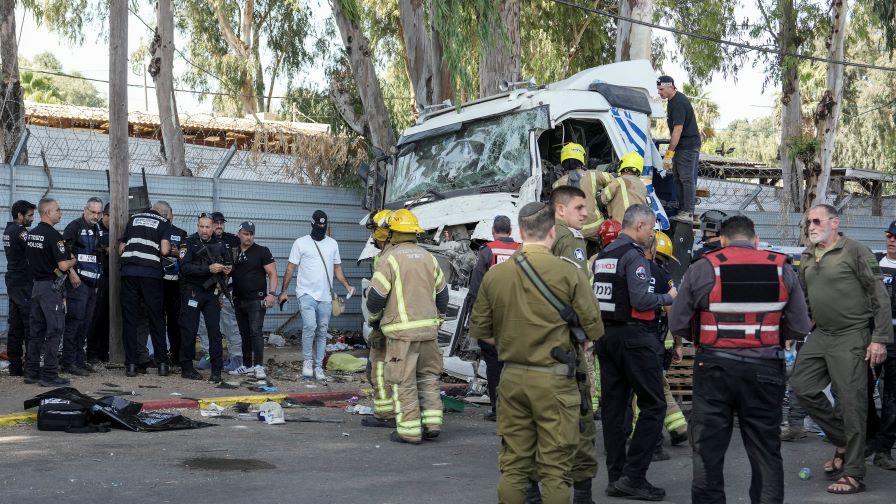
(272, 293)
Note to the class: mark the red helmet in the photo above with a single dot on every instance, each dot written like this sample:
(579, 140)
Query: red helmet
(609, 231)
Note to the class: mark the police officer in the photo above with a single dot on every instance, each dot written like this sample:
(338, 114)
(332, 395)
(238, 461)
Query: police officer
(229, 324)
(570, 211)
(881, 442)
(48, 260)
(408, 297)
(591, 182)
(18, 283)
(143, 245)
(383, 404)
(492, 253)
(711, 225)
(739, 300)
(171, 285)
(568, 204)
(627, 189)
(200, 262)
(630, 354)
(82, 237)
(98, 331)
(538, 400)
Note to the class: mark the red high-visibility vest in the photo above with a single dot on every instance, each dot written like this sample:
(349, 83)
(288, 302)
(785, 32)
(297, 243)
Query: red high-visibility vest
(747, 300)
(501, 251)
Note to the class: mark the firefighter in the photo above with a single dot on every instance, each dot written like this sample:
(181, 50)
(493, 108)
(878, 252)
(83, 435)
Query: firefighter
(539, 404)
(383, 407)
(591, 182)
(630, 355)
(492, 253)
(675, 422)
(407, 300)
(627, 189)
(710, 225)
(738, 298)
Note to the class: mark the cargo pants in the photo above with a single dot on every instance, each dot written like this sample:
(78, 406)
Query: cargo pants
(840, 361)
(538, 421)
(412, 370)
(383, 406)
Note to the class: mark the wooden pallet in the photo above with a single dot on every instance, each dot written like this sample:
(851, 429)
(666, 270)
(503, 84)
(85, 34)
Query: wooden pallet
(681, 377)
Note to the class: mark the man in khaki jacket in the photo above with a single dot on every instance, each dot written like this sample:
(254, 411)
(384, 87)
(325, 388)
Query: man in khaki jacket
(591, 182)
(627, 189)
(407, 300)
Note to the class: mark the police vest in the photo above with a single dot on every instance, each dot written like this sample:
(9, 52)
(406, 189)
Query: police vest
(171, 265)
(144, 246)
(889, 273)
(85, 251)
(660, 283)
(746, 300)
(611, 288)
(501, 251)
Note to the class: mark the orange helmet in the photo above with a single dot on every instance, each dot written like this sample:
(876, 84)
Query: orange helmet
(609, 230)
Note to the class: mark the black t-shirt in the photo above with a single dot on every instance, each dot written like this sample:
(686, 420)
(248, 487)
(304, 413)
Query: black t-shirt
(249, 278)
(230, 239)
(45, 249)
(14, 244)
(680, 112)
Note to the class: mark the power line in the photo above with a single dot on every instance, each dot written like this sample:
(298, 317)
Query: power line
(707, 38)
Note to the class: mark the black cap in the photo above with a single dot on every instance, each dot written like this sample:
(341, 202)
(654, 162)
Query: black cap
(218, 217)
(248, 226)
(665, 80)
(319, 218)
(892, 228)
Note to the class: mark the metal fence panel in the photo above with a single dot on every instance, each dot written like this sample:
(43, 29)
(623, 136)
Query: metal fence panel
(280, 211)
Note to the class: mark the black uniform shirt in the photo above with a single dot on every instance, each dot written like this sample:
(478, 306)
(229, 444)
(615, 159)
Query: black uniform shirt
(229, 238)
(14, 244)
(45, 249)
(249, 277)
(679, 112)
(195, 262)
(693, 296)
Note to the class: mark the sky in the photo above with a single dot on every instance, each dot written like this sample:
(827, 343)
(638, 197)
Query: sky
(737, 98)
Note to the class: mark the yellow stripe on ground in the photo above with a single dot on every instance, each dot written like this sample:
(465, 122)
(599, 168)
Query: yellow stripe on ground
(251, 399)
(13, 419)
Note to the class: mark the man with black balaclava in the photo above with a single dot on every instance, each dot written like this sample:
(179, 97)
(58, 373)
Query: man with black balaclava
(314, 259)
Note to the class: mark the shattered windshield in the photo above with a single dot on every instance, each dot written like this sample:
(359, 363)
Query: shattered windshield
(483, 153)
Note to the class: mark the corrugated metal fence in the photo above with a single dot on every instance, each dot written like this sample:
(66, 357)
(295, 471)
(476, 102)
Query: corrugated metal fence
(281, 212)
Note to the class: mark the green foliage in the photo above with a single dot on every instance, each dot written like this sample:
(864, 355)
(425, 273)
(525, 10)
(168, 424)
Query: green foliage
(71, 18)
(755, 140)
(885, 13)
(705, 110)
(802, 148)
(713, 18)
(464, 26)
(46, 88)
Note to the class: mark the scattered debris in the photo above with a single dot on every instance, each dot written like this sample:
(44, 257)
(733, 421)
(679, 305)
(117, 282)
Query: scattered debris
(276, 340)
(178, 394)
(271, 413)
(346, 362)
(358, 409)
(345, 434)
(212, 410)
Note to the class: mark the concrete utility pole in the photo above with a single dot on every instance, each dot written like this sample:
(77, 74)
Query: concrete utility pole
(118, 163)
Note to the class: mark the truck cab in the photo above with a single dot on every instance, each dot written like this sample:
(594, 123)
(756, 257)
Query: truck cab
(459, 167)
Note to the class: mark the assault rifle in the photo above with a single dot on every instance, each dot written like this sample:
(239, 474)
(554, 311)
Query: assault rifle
(223, 256)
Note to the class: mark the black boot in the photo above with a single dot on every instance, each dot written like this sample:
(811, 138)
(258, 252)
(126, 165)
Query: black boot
(533, 494)
(131, 370)
(164, 369)
(190, 373)
(581, 492)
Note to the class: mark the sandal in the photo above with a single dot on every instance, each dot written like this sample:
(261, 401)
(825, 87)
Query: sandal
(853, 486)
(833, 472)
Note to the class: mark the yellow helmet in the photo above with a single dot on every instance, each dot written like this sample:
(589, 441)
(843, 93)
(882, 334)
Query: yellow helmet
(380, 225)
(664, 245)
(572, 151)
(632, 162)
(404, 221)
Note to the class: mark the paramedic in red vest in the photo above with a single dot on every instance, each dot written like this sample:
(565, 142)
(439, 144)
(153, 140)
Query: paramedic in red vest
(630, 354)
(740, 300)
(490, 254)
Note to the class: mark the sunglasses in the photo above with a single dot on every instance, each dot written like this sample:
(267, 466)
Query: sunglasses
(817, 222)
(890, 236)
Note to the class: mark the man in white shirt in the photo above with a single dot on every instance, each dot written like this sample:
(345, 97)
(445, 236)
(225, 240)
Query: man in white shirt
(317, 258)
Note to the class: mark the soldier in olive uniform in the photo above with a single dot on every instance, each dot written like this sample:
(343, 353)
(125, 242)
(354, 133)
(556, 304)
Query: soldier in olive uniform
(851, 310)
(538, 402)
(569, 206)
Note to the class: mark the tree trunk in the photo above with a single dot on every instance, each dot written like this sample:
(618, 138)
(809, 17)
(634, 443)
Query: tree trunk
(501, 59)
(162, 71)
(791, 113)
(827, 112)
(241, 45)
(118, 163)
(442, 87)
(418, 48)
(358, 52)
(633, 40)
(12, 114)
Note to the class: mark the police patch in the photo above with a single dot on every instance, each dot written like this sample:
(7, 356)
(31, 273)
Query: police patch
(641, 273)
(24, 234)
(61, 246)
(182, 252)
(580, 254)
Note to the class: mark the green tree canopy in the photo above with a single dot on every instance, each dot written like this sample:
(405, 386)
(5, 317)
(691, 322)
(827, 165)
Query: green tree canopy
(48, 88)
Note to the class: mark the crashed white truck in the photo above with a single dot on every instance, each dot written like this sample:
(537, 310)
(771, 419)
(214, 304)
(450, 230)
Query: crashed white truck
(459, 167)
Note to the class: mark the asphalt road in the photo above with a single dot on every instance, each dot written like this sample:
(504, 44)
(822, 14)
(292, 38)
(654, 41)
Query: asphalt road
(251, 462)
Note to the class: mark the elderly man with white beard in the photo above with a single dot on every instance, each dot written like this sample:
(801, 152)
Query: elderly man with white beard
(851, 310)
